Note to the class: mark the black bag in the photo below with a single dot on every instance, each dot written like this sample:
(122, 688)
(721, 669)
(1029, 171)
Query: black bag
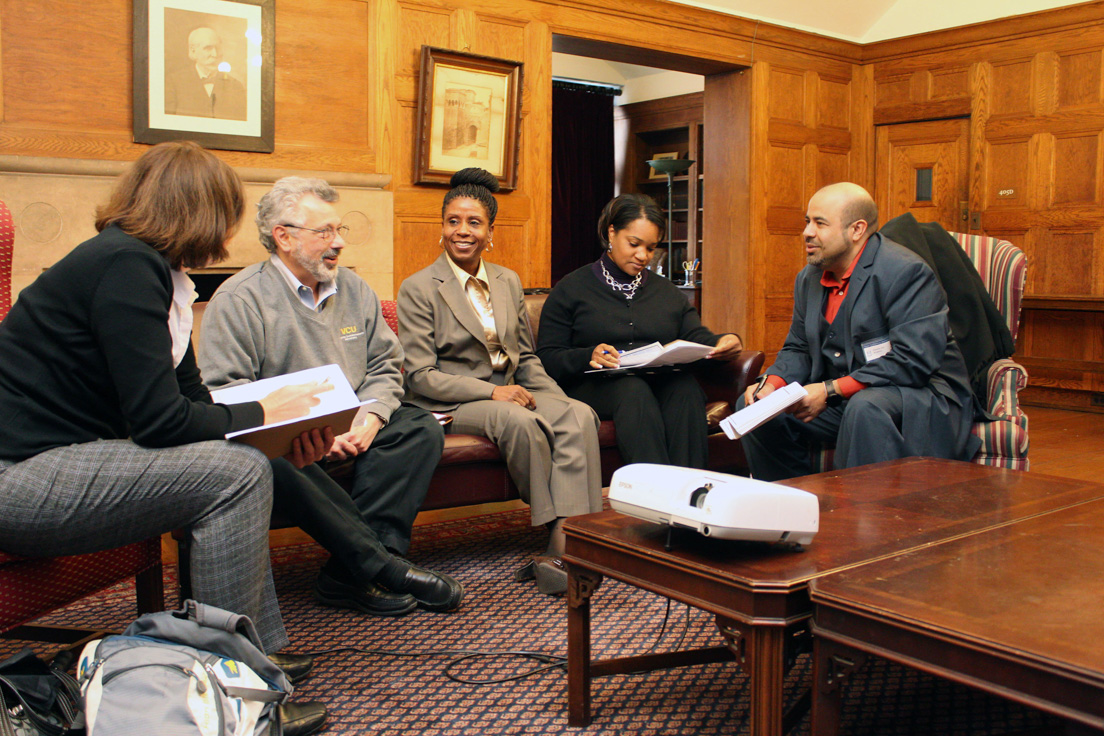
(36, 699)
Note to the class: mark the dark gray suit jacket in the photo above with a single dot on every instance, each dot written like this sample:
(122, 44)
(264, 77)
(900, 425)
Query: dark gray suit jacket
(893, 294)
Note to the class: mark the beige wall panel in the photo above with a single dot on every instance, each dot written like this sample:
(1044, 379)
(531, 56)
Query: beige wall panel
(1079, 79)
(1075, 171)
(785, 174)
(311, 108)
(950, 83)
(1007, 177)
(834, 103)
(1012, 88)
(787, 95)
(58, 75)
(892, 90)
(1065, 261)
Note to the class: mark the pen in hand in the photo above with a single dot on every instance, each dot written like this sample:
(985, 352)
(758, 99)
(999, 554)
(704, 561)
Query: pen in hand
(759, 386)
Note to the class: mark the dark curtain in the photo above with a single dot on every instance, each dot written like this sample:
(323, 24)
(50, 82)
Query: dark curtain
(582, 175)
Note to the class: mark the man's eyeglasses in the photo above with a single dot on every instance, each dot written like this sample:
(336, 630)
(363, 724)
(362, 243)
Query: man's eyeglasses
(327, 234)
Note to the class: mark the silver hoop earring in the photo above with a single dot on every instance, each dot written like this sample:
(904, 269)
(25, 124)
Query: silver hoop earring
(441, 241)
(490, 245)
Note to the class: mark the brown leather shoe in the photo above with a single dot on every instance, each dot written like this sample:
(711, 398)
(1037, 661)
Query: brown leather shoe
(300, 719)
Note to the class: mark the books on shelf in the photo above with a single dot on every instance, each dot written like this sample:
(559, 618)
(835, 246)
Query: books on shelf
(676, 352)
(336, 408)
(738, 424)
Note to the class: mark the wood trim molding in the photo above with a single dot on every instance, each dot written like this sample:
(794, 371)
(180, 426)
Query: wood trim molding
(684, 17)
(96, 167)
(1065, 303)
(1004, 29)
(913, 112)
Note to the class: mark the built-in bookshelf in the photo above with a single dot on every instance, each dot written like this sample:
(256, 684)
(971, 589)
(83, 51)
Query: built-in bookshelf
(667, 128)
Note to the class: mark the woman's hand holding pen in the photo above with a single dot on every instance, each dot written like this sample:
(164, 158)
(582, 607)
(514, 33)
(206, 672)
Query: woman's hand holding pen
(605, 356)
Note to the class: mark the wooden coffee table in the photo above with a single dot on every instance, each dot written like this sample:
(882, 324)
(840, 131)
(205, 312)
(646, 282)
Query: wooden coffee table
(760, 594)
(1014, 611)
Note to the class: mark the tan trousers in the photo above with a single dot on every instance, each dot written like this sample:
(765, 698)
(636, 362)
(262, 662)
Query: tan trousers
(551, 452)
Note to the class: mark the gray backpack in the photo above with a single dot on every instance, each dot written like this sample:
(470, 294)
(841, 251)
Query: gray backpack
(197, 671)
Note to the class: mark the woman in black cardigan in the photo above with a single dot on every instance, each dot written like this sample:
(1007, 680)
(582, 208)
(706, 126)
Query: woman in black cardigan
(107, 435)
(616, 304)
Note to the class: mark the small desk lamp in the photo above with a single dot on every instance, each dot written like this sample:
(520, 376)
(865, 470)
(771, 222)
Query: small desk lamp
(670, 167)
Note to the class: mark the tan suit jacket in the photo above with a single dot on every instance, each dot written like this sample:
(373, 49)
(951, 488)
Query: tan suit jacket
(447, 360)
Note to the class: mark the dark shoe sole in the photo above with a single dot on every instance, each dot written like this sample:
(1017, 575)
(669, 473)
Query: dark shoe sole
(356, 605)
(551, 576)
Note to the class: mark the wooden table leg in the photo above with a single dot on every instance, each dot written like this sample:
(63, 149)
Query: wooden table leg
(832, 665)
(581, 584)
(759, 649)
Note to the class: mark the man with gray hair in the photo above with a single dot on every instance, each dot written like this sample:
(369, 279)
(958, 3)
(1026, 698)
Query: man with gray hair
(300, 310)
(871, 343)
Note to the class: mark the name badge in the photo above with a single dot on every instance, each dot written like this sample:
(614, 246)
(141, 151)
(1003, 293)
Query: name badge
(876, 348)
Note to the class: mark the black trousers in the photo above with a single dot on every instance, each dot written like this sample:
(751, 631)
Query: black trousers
(659, 418)
(392, 478)
(363, 531)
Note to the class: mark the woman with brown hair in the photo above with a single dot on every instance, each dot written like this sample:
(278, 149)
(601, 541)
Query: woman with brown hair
(107, 435)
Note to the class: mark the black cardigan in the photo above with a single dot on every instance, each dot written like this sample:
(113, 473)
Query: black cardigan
(86, 354)
(582, 312)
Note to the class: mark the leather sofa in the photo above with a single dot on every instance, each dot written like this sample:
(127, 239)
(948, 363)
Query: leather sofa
(472, 471)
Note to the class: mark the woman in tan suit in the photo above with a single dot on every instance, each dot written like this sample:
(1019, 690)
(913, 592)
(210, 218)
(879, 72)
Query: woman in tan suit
(469, 352)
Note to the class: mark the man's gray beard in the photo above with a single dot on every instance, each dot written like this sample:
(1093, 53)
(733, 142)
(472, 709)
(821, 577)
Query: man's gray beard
(317, 269)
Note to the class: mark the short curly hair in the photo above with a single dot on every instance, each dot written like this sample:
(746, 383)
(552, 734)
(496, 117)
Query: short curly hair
(282, 201)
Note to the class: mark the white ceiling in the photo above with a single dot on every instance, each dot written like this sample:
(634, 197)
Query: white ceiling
(866, 21)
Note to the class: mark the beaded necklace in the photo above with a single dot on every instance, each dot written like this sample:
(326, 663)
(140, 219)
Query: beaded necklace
(629, 289)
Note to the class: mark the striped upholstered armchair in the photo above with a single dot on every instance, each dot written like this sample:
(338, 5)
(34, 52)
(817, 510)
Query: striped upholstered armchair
(1003, 269)
(1004, 442)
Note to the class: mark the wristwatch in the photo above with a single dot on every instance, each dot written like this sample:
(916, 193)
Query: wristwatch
(832, 396)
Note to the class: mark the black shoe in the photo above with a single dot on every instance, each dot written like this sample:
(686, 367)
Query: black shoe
(300, 719)
(434, 591)
(361, 597)
(295, 666)
(551, 575)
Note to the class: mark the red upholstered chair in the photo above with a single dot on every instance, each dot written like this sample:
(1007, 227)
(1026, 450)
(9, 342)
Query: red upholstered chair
(33, 586)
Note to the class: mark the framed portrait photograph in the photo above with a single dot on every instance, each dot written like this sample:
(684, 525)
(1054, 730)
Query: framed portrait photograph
(469, 114)
(204, 70)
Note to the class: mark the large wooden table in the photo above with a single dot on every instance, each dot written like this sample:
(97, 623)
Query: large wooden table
(760, 594)
(1015, 611)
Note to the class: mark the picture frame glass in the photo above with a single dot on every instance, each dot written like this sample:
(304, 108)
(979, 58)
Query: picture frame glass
(203, 71)
(468, 119)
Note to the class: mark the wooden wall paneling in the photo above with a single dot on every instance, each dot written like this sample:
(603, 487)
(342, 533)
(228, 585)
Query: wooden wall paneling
(728, 278)
(310, 109)
(384, 14)
(1075, 172)
(536, 144)
(1079, 79)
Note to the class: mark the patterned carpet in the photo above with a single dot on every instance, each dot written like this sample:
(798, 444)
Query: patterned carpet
(402, 696)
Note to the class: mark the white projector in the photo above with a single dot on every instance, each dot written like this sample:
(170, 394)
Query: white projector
(715, 504)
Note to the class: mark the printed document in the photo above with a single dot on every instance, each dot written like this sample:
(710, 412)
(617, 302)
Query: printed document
(675, 352)
(763, 410)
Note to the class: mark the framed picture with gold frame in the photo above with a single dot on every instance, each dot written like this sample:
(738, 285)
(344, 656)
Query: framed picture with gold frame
(652, 173)
(204, 70)
(469, 114)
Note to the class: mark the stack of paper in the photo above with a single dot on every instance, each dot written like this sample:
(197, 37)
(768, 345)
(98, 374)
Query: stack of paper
(740, 423)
